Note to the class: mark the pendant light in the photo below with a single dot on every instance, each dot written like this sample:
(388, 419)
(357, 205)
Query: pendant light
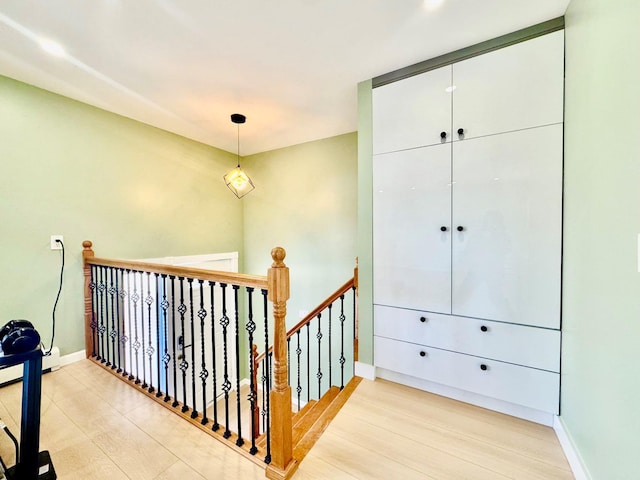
(237, 180)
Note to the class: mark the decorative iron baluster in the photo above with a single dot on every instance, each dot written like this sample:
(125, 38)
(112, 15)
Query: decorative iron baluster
(319, 337)
(215, 425)
(226, 385)
(184, 365)
(149, 301)
(174, 342)
(101, 329)
(354, 333)
(289, 360)
(143, 344)
(158, 332)
(298, 352)
(263, 378)
(342, 359)
(166, 358)
(122, 334)
(136, 343)
(266, 411)
(330, 357)
(111, 329)
(251, 327)
(129, 316)
(194, 412)
(308, 325)
(240, 440)
(94, 303)
(202, 314)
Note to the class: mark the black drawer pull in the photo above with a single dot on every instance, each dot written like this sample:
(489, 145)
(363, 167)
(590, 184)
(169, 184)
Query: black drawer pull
(423, 353)
(443, 135)
(423, 319)
(483, 367)
(461, 131)
(443, 229)
(460, 228)
(484, 328)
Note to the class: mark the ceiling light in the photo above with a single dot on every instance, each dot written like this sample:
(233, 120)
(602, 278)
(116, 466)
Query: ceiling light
(432, 4)
(237, 180)
(51, 47)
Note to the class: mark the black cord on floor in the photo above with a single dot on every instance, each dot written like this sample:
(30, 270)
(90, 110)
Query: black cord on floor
(53, 314)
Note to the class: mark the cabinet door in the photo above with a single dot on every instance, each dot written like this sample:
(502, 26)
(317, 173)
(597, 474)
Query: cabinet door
(412, 112)
(411, 203)
(507, 197)
(516, 87)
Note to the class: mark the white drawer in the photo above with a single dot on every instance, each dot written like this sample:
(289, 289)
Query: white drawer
(530, 387)
(519, 344)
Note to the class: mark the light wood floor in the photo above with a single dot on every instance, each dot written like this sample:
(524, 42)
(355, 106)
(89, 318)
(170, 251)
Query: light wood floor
(96, 427)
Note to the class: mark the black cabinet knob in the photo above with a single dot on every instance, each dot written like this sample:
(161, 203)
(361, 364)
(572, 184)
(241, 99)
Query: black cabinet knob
(460, 228)
(423, 354)
(484, 328)
(483, 367)
(443, 229)
(423, 319)
(461, 131)
(443, 135)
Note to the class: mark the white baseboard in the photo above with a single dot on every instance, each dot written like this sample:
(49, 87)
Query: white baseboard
(72, 358)
(573, 456)
(365, 371)
(50, 362)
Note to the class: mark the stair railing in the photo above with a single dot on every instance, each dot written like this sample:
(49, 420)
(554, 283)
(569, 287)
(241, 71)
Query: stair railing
(321, 349)
(174, 333)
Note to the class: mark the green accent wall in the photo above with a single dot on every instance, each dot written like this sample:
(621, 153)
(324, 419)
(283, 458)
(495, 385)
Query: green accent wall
(134, 190)
(305, 201)
(601, 283)
(365, 222)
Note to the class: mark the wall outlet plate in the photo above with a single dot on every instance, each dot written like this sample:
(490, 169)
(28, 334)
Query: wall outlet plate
(55, 245)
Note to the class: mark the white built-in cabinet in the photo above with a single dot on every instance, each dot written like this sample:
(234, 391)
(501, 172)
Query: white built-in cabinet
(467, 219)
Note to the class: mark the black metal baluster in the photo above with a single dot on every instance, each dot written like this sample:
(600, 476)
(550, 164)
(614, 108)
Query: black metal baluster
(94, 304)
(319, 337)
(263, 378)
(353, 337)
(240, 440)
(101, 329)
(128, 277)
(111, 352)
(253, 395)
(214, 367)
(308, 361)
(136, 343)
(165, 357)
(226, 385)
(174, 342)
(184, 365)
(288, 360)
(342, 359)
(204, 373)
(120, 316)
(298, 352)
(159, 314)
(330, 341)
(194, 412)
(149, 301)
(143, 343)
(266, 411)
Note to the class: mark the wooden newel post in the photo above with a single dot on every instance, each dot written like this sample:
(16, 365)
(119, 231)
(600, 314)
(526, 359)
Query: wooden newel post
(88, 306)
(282, 462)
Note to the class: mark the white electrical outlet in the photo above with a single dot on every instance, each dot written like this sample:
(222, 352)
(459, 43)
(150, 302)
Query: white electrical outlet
(55, 245)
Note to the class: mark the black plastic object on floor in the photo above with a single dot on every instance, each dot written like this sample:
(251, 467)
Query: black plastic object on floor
(29, 463)
(45, 469)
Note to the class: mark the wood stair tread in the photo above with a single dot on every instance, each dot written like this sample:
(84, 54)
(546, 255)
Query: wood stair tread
(306, 421)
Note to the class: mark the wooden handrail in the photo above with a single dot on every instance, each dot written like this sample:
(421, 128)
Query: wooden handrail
(348, 285)
(241, 279)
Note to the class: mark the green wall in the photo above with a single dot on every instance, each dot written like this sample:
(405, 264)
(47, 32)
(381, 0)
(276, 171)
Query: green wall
(601, 284)
(305, 201)
(365, 223)
(134, 190)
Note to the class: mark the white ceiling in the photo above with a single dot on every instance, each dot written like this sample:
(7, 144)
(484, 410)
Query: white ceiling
(290, 66)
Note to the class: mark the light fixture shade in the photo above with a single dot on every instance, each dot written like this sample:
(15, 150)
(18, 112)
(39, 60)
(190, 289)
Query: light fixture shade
(238, 182)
